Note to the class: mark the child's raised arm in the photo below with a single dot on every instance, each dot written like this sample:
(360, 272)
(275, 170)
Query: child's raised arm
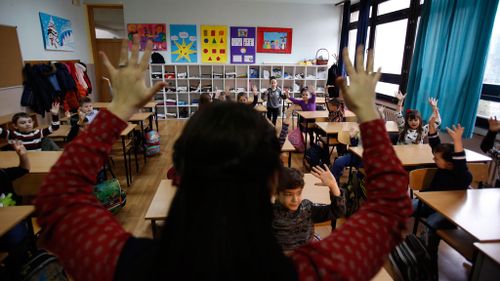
(489, 140)
(401, 98)
(456, 133)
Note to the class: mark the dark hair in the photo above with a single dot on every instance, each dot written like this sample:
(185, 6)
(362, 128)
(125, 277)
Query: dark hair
(290, 178)
(412, 114)
(84, 100)
(271, 78)
(219, 222)
(205, 100)
(19, 115)
(303, 89)
(240, 94)
(446, 150)
(334, 101)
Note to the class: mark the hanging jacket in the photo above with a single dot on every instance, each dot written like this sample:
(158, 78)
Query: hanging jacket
(87, 79)
(82, 92)
(38, 93)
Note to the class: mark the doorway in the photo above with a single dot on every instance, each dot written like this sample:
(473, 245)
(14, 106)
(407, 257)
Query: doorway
(107, 30)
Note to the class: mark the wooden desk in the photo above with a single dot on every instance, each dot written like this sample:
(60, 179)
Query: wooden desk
(61, 133)
(99, 105)
(476, 211)
(124, 135)
(11, 216)
(331, 128)
(421, 155)
(160, 205)
(288, 147)
(382, 275)
(41, 162)
(319, 100)
(261, 109)
(150, 106)
(487, 264)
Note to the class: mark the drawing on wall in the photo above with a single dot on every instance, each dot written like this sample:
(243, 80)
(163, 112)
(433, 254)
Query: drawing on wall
(274, 40)
(183, 42)
(213, 43)
(57, 33)
(242, 44)
(156, 32)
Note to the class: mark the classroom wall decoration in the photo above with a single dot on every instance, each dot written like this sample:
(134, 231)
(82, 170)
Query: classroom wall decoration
(183, 42)
(214, 43)
(155, 32)
(57, 33)
(274, 40)
(242, 44)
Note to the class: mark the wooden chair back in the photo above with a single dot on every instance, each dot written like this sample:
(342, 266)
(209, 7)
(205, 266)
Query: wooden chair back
(421, 178)
(480, 174)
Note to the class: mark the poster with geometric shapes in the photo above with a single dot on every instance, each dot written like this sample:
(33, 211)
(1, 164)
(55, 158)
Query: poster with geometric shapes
(183, 43)
(57, 33)
(242, 44)
(156, 32)
(214, 43)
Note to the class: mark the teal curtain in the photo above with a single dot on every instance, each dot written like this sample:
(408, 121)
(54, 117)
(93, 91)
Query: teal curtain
(449, 59)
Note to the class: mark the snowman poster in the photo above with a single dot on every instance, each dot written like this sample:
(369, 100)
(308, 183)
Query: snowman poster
(57, 33)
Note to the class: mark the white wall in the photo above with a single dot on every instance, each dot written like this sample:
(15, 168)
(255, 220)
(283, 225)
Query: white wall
(314, 26)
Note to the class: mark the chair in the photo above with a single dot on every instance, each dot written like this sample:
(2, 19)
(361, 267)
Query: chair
(480, 174)
(420, 179)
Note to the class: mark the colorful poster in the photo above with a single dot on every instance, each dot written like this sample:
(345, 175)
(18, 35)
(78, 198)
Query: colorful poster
(242, 44)
(183, 42)
(155, 32)
(57, 33)
(214, 43)
(274, 40)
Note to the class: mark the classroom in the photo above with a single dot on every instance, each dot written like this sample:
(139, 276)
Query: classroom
(250, 140)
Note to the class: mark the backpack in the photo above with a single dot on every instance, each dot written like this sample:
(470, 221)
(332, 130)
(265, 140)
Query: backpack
(152, 142)
(43, 266)
(355, 192)
(410, 260)
(317, 155)
(111, 195)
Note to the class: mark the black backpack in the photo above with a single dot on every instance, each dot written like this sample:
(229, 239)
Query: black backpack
(410, 260)
(317, 155)
(355, 192)
(43, 266)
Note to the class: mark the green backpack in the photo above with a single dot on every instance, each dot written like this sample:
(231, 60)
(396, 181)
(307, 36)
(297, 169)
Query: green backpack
(111, 195)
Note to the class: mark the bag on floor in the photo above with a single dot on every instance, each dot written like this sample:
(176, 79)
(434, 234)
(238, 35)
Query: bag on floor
(296, 139)
(355, 192)
(111, 195)
(43, 266)
(152, 142)
(317, 155)
(410, 260)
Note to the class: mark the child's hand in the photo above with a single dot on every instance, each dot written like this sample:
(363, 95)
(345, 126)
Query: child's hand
(381, 111)
(286, 92)
(254, 90)
(433, 102)
(19, 148)
(129, 87)
(456, 132)
(494, 124)
(400, 96)
(67, 114)
(55, 108)
(360, 95)
(312, 90)
(324, 174)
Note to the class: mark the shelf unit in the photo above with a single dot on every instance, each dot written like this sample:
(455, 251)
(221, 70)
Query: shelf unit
(187, 81)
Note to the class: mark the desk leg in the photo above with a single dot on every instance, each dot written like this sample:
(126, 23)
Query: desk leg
(289, 159)
(125, 161)
(144, 138)
(156, 118)
(153, 228)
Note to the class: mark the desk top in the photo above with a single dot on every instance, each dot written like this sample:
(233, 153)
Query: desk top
(287, 146)
(492, 250)
(475, 210)
(11, 216)
(140, 116)
(260, 108)
(98, 105)
(41, 161)
(160, 205)
(382, 275)
(421, 154)
(130, 127)
(349, 115)
(318, 100)
(336, 127)
(62, 132)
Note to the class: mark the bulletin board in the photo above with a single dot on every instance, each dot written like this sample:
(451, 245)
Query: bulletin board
(214, 44)
(10, 60)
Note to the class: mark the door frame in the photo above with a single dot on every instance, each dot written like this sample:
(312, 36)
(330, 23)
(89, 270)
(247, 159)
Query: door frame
(93, 42)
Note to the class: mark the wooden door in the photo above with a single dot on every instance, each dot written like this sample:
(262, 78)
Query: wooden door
(111, 47)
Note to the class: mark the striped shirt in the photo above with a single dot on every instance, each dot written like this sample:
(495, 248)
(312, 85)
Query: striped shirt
(33, 139)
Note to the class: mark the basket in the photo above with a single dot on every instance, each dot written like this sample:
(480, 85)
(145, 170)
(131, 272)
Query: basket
(322, 61)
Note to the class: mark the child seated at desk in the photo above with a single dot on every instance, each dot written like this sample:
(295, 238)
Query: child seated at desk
(294, 218)
(242, 97)
(86, 114)
(31, 138)
(452, 174)
(336, 110)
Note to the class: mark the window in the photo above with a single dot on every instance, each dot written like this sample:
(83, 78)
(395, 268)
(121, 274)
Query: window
(392, 6)
(389, 46)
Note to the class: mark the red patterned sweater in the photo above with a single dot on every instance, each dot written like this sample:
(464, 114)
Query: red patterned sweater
(80, 231)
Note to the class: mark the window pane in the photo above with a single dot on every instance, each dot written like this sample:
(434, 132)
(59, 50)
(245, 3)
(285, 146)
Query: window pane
(387, 89)
(392, 5)
(354, 16)
(486, 109)
(492, 71)
(352, 43)
(389, 46)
